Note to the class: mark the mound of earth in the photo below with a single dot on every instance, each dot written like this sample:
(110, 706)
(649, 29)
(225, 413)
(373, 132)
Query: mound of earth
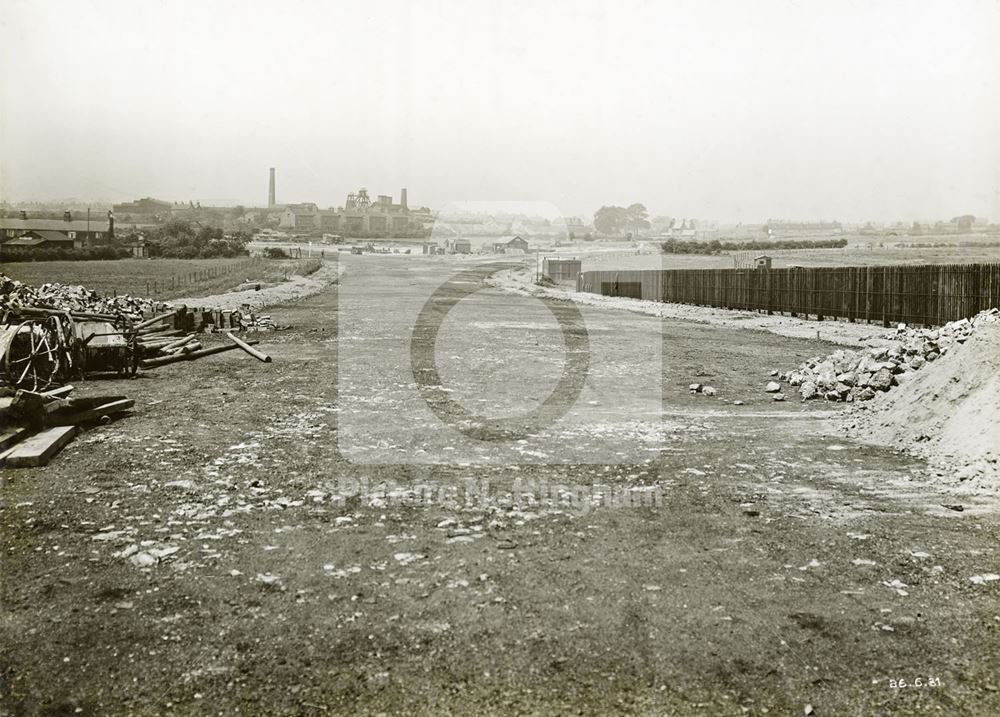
(949, 414)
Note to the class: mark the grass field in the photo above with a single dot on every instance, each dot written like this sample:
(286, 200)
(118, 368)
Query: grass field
(161, 278)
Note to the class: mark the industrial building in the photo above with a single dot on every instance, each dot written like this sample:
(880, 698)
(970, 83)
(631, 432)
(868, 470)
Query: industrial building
(360, 216)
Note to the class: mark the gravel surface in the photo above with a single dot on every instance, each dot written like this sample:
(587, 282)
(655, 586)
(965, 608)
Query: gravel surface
(838, 332)
(205, 556)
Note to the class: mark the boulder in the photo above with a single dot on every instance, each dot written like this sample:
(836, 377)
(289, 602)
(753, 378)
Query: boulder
(867, 364)
(865, 394)
(881, 380)
(849, 378)
(808, 390)
(772, 387)
(778, 397)
(708, 391)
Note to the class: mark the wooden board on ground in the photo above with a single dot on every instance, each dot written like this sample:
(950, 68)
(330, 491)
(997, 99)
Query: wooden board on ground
(40, 448)
(94, 414)
(10, 436)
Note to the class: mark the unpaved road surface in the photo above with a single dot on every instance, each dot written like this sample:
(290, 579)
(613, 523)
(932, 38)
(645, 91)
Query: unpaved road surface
(783, 566)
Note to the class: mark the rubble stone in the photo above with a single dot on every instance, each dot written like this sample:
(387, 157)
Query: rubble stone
(881, 380)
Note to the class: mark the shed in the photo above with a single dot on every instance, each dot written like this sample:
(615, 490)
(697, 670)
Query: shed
(515, 245)
(458, 245)
(562, 269)
(763, 262)
(138, 249)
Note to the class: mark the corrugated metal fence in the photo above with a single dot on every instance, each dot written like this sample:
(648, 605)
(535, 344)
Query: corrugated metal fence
(928, 294)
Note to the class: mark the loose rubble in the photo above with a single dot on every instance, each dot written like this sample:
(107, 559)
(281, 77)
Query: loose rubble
(848, 375)
(16, 296)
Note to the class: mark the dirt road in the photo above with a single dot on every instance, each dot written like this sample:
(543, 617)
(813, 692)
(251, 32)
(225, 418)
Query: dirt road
(781, 566)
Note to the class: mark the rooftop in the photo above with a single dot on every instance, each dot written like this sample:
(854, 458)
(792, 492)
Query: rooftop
(58, 225)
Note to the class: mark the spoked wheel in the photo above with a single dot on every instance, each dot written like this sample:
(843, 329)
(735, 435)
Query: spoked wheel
(34, 355)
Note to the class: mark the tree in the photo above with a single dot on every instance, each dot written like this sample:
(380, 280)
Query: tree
(610, 220)
(636, 217)
(964, 222)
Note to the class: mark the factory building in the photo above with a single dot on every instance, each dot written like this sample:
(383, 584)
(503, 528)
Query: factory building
(360, 216)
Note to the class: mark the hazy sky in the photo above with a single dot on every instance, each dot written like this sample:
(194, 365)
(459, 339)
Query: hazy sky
(847, 109)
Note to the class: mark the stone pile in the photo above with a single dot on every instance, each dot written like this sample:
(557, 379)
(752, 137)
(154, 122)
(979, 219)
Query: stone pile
(64, 297)
(860, 375)
(78, 300)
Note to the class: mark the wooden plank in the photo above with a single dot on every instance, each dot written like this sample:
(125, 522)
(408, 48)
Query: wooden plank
(95, 414)
(58, 392)
(40, 448)
(259, 355)
(11, 436)
(165, 360)
(156, 320)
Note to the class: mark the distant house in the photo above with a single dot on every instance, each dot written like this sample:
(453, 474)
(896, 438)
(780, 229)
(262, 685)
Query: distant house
(576, 229)
(458, 245)
(50, 233)
(514, 245)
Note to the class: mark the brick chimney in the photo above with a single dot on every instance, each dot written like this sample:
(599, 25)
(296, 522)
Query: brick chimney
(67, 216)
(111, 224)
(402, 198)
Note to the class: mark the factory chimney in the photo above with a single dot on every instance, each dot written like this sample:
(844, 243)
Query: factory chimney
(270, 191)
(402, 198)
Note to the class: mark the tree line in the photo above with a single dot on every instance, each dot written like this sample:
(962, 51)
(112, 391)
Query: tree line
(181, 239)
(674, 246)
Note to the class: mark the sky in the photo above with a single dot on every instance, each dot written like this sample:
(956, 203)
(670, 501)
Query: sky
(736, 111)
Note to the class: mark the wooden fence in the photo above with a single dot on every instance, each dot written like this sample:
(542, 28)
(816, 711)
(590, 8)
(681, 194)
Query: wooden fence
(930, 294)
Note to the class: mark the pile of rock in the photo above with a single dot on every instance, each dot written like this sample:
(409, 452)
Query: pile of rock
(859, 375)
(16, 296)
(65, 297)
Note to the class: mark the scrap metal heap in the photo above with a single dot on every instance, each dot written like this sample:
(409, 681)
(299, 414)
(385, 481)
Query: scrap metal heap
(54, 333)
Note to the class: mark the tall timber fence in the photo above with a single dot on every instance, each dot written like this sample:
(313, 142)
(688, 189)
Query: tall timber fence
(929, 294)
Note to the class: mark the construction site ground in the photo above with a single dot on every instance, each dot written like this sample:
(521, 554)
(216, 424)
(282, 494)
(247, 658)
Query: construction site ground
(786, 566)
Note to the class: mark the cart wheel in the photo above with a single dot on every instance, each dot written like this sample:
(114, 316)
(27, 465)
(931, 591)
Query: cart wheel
(32, 360)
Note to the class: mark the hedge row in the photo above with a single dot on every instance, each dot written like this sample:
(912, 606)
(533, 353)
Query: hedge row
(103, 252)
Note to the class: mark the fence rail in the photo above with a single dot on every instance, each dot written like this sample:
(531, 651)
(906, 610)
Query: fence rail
(930, 294)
